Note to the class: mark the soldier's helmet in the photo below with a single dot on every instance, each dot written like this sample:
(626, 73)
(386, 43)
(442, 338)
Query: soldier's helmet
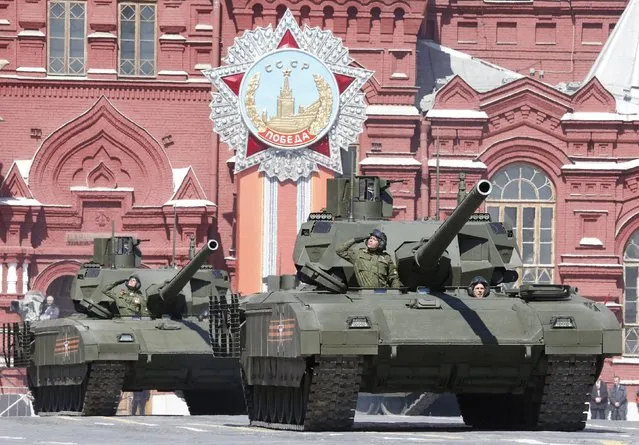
(477, 280)
(381, 236)
(138, 283)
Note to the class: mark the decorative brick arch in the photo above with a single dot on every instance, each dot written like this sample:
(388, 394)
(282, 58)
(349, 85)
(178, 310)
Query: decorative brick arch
(53, 271)
(101, 148)
(536, 152)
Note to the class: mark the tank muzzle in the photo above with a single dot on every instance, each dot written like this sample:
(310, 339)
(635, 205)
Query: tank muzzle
(484, 187)
(212, 245)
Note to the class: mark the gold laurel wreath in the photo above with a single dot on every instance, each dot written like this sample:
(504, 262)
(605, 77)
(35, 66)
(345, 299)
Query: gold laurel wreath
(326, 105)
(321, 118)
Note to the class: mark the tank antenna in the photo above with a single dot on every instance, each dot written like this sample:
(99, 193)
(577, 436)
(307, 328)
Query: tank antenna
(112, 244)
(174, 235)
(353, 147)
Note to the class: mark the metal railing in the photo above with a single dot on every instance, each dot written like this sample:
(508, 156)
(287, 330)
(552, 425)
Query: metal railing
(16, 401)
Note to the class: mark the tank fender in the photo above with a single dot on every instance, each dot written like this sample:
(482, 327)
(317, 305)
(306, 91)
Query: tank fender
(62, 344)
(579, 326)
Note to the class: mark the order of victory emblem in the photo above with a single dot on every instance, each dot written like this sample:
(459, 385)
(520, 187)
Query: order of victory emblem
(287, 100)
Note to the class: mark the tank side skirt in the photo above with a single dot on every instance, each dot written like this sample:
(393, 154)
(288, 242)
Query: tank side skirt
(329, 401)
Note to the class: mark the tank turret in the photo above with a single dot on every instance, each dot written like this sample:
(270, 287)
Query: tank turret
(166, 291)
(428, 253)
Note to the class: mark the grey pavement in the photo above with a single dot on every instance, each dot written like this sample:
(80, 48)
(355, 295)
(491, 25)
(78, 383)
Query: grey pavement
(220, 430)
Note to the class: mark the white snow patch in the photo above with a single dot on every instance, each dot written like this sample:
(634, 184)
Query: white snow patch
(602, 165)
(457, 114)
(387, 160)
(456, 163)
(24, 165)
(599, 116)
(392, 110)
(590, 241)
(189, 203)
(11, 201)
(178, 176)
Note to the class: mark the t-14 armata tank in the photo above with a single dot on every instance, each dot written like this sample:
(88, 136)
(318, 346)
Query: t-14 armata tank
(135, 329)
(521, 358)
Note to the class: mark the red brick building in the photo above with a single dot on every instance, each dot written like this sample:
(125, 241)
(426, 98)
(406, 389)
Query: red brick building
(105, 121)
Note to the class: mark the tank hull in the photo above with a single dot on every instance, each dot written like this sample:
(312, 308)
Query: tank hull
(71, 355)
(499, 347)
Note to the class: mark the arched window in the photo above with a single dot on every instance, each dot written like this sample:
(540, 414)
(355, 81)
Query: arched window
(631, 281)
(524, 198)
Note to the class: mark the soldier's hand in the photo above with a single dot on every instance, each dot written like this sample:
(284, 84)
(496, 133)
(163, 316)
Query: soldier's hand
(360, 239)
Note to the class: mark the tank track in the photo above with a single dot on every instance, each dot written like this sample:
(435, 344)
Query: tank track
(329, 399)
(567, 386)
(557, 401)
(103, 388)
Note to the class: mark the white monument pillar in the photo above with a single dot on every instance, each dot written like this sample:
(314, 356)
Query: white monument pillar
(25, 277)
(12, 278)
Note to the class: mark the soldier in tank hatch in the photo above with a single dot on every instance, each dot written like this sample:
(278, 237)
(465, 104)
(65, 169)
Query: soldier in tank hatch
(373, 266)
(130, 301)
(479, 287)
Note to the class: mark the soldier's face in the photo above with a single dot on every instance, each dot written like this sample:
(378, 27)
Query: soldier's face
(372, 243)
(132, 282)
(479, 290)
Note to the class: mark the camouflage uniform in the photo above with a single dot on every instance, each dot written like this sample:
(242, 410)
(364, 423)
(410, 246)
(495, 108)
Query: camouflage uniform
(372, 268)
(131, 303)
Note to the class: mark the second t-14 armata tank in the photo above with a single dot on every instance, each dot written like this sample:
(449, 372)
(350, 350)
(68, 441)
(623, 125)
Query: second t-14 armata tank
(520, 358)
(135, 329)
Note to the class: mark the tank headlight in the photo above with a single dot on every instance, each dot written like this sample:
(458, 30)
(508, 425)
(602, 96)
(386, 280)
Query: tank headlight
(358, 323)
(563, 323)
(126, 338)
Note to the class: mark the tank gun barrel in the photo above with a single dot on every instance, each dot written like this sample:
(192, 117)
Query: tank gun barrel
(180, 280)
(427, 255)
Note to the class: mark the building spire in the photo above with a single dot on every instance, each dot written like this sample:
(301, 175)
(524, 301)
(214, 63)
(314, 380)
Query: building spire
(617, 66)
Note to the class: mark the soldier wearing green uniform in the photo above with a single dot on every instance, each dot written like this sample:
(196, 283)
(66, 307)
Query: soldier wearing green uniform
(373, 266)
(129, 300)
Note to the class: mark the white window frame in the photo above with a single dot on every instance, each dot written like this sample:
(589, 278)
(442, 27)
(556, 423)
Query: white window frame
(137, 61)
(67, 38)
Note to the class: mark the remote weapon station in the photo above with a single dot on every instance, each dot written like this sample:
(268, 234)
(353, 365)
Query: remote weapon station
(521, 358)
(168, 329)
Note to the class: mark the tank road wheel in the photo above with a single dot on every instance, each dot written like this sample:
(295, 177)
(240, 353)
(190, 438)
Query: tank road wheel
(103, 388)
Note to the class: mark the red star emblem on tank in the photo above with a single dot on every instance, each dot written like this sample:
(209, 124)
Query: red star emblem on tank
(288, 100)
